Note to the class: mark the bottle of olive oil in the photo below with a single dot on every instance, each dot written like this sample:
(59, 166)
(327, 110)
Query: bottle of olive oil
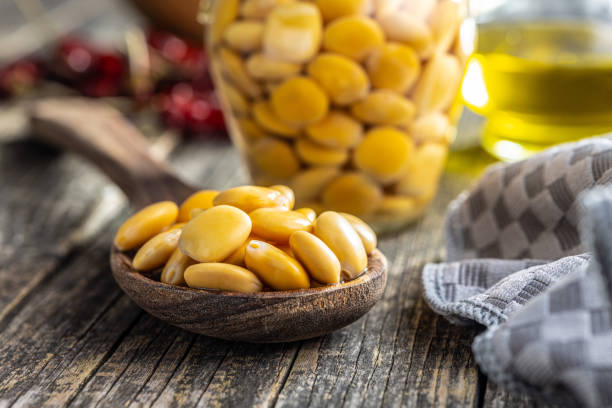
(540, 84)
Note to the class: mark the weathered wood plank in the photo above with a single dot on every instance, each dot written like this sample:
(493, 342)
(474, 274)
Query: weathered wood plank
(45, 213)
(76, 339)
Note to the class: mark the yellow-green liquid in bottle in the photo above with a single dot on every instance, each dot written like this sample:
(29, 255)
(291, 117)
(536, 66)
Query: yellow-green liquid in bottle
(540, 84)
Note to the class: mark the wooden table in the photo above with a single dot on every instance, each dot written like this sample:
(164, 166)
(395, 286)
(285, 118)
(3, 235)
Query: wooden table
(68, 335)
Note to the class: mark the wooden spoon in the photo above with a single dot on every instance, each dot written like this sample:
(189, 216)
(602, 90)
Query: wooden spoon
(102, 135)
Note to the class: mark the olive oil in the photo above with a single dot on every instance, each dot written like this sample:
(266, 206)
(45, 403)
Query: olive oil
(539, 84)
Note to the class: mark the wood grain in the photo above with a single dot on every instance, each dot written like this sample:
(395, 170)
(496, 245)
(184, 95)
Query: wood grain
(69, 336)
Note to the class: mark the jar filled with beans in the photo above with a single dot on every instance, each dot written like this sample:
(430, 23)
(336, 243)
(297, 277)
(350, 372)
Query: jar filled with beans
(351, 103)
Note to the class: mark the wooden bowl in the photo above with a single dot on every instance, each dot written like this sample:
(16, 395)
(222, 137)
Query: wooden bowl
(265, 317)
(100, 134)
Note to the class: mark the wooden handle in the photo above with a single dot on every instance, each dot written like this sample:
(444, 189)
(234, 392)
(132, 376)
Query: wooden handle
(102, 135)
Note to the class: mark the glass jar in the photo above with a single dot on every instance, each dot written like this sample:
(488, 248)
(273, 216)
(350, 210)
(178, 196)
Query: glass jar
(541, 73)
(352, 103)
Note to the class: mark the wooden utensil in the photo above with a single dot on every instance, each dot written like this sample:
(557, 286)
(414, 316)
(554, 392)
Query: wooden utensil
(101, 134)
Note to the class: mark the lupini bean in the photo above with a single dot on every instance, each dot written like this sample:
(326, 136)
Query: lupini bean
(250, 198)
(308, 213)
(287, 192)
(385, 154)
(352, 192)
(353, 36)
(300, 101)
(293, 32)
(317, 155)
(274, 267)
(320, 262)
(156, 251)
(384, 107)
(365, 232)
(222, 276)
(344, 80)
(215, 234)
(173, 273)
(335, 231)
(145, 224)
(202, 199)
(337, 130)
(244, 36)
(278, 225)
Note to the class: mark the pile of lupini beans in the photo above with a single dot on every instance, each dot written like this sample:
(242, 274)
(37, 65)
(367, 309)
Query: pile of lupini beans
(246, 239)
(349, 102)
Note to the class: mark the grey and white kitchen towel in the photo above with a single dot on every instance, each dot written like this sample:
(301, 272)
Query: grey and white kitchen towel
(529, 253)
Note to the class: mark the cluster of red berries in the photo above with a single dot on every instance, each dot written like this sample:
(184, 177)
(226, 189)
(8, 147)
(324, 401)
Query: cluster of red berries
(179, 83)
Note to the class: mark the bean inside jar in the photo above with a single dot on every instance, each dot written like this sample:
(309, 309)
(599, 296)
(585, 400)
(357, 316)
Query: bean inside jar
(351, 103)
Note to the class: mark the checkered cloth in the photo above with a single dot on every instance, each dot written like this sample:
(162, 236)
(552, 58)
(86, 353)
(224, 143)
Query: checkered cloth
(540, 286)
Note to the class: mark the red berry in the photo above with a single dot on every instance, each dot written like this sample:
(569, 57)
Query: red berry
(101, 87)
(110, 65)
(77, 56)
(18, 77)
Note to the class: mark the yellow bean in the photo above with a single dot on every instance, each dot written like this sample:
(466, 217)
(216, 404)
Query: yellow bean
(287, 192)
(317, 155)
(299, 101)
(202, 199)
(408, 29)
(308, 213)
(421, 180)
(250, 130)
(338, 234)
(223, 14)
(293, 32)
(259, 8)
(333, 9)
(250, 198)
(237, 257)
(173, 273)
(395, 67)
(421, 9)
(215, 234)
(234, 68)
(239, 103)
(262, 67)
(156, 251)
(438, 85)
(385, 108)
(145, 224)
(352, 193)
(274, 267)
(444, 22)
(432, 128)
(316, 206)
(278, 225)
(221, 276)
(337, 130)
(343, 79)
(275, 159)
(267, 119)
(353, 36)
(365, 232)
(178, 225)
(244, 36)
(320, 262)
(385, 154)
(309, 183)
(195, 212)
